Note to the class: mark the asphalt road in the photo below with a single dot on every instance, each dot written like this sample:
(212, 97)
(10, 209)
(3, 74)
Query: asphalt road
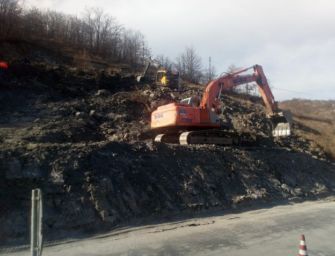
(274, 231)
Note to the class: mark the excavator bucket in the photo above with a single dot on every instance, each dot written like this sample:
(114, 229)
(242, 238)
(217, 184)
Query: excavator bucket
(280, 125)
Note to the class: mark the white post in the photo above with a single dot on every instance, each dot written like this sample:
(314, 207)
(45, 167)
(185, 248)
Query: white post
(36, 223)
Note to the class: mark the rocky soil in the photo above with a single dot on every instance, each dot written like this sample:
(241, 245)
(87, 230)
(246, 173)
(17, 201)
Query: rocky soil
(76, 134)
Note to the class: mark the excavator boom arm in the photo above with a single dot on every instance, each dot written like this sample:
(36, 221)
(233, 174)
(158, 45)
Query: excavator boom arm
(229, 81)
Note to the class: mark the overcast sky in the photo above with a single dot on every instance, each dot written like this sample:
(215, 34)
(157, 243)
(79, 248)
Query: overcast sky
(294, 40)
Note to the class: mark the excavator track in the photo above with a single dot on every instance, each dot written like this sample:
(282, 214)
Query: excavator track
(207, 137)
(216, 137)
(167, 138)
(202, 137)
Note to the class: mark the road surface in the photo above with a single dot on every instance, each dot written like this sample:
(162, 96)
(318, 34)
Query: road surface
(274, 231)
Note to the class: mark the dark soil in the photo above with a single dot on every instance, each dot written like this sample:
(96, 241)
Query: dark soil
(76, 134)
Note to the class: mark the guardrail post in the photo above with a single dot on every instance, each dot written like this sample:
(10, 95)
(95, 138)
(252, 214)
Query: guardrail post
(36, 238)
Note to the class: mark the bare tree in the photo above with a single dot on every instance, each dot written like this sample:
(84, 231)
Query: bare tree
(99, 26)
(10, 11)
(54, 22)
(164, 61)
(34, 24)
(189, 65)
(232, 68)
(96, 33)
(209, 74)
(134, 48)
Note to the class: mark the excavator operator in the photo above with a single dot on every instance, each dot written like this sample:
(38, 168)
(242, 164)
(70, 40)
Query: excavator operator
(164, 79)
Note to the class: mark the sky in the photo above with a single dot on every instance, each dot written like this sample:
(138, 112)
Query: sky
(294, 40)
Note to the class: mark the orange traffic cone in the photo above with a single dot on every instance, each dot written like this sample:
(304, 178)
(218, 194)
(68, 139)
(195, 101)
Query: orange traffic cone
(302, 247)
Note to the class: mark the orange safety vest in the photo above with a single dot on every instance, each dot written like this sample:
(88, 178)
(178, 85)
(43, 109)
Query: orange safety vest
(164, 80)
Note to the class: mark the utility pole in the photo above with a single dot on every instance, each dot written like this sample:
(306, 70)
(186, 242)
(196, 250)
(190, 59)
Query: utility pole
(36, 238)
(143, 53)
(209, 68)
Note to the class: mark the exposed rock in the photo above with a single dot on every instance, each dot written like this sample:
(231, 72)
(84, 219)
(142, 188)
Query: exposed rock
(102, 92)
(79, 114)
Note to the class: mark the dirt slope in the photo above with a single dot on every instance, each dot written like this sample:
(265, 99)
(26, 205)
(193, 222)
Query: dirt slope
(314, 120)
(76, 134)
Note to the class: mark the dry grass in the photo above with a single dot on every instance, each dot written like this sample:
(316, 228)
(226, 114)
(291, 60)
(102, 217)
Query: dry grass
(314, 120)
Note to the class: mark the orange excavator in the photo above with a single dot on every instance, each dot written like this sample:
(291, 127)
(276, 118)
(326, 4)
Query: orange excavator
(195, 121)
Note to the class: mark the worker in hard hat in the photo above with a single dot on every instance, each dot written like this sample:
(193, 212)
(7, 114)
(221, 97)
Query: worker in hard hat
(164, 80)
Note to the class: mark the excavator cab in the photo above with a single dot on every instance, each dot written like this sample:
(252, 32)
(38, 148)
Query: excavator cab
(167, 78)
(193, 101)
(161, 77)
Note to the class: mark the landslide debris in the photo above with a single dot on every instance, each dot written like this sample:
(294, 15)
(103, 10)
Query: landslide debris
(78, 139)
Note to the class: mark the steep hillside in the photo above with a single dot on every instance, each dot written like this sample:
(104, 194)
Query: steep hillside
(77, 134)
